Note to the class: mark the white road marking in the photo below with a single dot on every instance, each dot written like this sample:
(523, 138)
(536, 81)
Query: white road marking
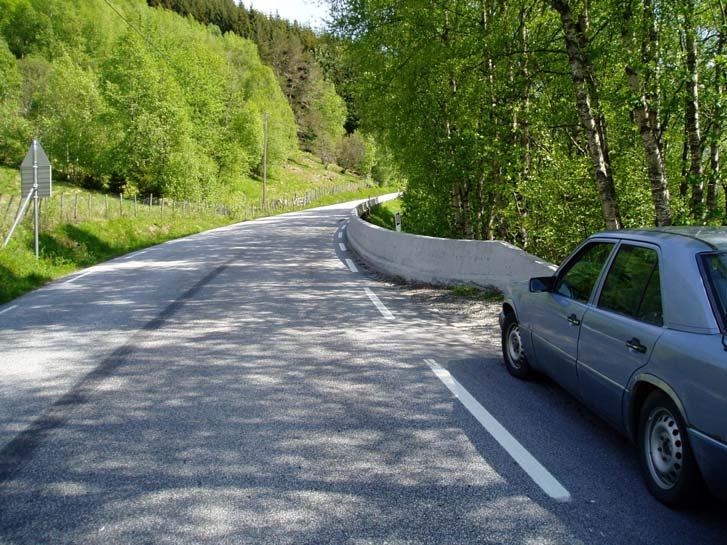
(537, 472)
(379, 305)
(135, 254)
(340, 235)
(351, 265)
(342, 246)
(344, 226)
(77, 277)
(8, 309)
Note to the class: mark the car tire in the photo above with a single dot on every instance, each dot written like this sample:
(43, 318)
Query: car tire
(512, 349)
(666, 457)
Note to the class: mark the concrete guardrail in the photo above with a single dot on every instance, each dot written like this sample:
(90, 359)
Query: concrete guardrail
(440, 261)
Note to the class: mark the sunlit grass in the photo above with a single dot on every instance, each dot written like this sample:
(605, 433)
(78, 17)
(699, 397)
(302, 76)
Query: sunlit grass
(87, 227)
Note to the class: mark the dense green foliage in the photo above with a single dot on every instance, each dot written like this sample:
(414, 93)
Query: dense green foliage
(384, 214)
(178, 114)
(292, 51)
(542, 122)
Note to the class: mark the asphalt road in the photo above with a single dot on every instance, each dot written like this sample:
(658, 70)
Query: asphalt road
(245, 385)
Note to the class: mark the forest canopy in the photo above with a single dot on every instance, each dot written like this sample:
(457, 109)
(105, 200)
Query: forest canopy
(540, 122)
(136, 99)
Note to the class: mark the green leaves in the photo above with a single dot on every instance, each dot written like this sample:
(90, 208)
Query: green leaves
(178, 112)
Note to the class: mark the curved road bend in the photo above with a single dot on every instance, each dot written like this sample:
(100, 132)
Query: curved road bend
(245, 385)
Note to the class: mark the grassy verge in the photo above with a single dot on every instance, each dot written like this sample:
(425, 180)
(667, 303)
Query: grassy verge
(474, 293)
(67, 246)
(383, 215)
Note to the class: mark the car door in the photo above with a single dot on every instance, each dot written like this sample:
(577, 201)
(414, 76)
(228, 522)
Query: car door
(557, 314)
(620, 330)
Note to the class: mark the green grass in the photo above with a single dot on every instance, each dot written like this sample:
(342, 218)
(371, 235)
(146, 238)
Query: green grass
(383, 215)
(302, 173)
(68, 245)
(475, 293)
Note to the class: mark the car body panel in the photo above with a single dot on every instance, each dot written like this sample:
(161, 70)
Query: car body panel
(695, 366)
(710, 455)
(555, 338)
(605, 364)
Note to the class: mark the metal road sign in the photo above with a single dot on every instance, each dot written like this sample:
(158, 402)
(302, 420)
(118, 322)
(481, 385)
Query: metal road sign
(27, 176)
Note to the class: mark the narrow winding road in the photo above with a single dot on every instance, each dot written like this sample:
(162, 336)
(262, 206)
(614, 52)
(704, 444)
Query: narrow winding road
(252, 385)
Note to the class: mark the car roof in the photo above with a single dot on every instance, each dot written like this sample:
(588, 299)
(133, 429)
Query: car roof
(698, 238)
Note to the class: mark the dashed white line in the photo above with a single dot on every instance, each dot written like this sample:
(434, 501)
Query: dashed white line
(379, 305)
(537, 472)
(342, 246)
(351, 265)
(77, 277)
(8, 309)
(340, 235)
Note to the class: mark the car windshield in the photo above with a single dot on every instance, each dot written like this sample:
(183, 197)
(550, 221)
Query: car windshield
(715, 266)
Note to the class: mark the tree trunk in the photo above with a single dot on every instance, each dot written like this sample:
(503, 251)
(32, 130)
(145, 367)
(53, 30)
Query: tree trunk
(684, 184)
(457, 209)
(715, 164)
(466, 212)
(646, 111)
(524, 129)
(586, 88)
(692, 115)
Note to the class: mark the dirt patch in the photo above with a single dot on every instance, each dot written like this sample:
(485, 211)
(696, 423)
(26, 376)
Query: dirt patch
(474, 314)
(472, 310)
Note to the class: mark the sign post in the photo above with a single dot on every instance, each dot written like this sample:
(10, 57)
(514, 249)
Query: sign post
(36, 181)
(397, 221)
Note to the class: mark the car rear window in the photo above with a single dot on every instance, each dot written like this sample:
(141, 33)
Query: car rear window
(715, 267)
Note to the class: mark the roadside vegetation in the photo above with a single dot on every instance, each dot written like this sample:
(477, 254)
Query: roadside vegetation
(384, 213)
(542, 122)
(153, 115)
(69, 242)
(474, 293)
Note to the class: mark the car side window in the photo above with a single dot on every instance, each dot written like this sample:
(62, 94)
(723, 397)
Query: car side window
(632, 285)
(582, 273)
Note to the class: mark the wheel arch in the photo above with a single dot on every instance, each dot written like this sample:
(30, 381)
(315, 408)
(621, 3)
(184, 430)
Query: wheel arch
(509, 308)
(642, 386)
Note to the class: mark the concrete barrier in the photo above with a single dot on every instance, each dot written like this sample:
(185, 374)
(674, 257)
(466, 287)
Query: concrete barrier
(440, 261)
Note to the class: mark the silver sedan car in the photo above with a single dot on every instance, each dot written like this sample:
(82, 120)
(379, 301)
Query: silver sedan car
(634, 324)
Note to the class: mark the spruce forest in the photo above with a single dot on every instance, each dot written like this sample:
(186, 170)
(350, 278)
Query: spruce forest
(537, 122)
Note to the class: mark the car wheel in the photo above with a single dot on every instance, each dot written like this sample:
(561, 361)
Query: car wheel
(512, 348)
(669, 467)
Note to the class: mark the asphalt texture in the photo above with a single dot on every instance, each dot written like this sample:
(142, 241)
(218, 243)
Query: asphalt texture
(239, 386)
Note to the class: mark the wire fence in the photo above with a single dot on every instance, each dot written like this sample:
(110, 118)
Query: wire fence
(75, 207)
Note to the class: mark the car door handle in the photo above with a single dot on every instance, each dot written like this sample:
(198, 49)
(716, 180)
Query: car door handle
(635, 344)
(573, 319)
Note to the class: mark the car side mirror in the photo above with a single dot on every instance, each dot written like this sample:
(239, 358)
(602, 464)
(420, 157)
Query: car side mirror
(542, 283)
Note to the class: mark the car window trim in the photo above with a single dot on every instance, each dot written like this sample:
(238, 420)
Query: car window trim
(577, 252)
(597, 295)
(710, 289)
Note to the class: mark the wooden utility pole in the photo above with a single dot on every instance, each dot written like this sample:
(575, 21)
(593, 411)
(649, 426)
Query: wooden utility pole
(265, 155)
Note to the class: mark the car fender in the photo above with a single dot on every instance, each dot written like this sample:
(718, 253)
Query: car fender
(641, 377)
